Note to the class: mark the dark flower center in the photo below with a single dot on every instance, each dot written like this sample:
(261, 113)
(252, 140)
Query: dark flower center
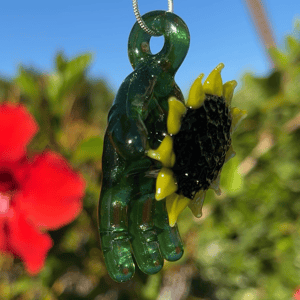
(201, 145)
(7, 182)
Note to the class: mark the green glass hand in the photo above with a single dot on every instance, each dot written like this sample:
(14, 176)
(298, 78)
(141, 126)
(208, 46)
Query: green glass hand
(129, 215)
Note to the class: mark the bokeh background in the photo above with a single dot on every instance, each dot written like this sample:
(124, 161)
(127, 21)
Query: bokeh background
(71, 56)
(221, 31)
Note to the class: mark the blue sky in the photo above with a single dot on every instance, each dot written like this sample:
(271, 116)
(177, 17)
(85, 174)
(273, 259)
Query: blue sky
(31, 32)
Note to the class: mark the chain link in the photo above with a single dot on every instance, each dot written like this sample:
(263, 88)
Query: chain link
(141, 21)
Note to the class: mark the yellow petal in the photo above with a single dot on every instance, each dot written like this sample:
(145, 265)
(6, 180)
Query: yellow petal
(213, 85)
(175, 205)
(215, 185)
(164, 153)
(196, 95)
(230, 154)
(228, 89)
(176, 110)
(165, 184)
(197, 203)
(237, 116)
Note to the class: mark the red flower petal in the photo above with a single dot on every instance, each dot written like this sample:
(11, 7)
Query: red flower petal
(25, 241)
(17, 129)
(2, 234)
(52, 196)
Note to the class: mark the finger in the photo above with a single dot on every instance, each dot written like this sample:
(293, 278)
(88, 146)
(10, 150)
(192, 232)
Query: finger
(113, 220)
(141, 227)
(114, 235)
(169, 239)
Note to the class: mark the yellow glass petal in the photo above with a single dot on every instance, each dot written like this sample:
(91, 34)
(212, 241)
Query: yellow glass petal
(215, 185)
(237, 116)
(175, 205)
(228, 89)
(164, 153)
(176, 110)
(230, 154)
(213, 85)
(196, 95)
(196, 204)
(165, 184)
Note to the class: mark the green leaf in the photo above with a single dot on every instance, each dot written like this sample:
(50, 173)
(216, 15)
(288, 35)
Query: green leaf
(280, 59)
(231, 178)
(54, 83)
(21, 286)
(152, 287)
(89, 149)
(293, 44)
(60, 62)
(77, 66)
(271, 84)
(28, 84)
(68, 80)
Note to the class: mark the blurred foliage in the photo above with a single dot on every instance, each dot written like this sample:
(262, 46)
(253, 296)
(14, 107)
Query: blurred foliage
(246, 246)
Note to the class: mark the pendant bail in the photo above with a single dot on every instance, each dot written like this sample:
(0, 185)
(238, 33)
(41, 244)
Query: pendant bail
(177, 41)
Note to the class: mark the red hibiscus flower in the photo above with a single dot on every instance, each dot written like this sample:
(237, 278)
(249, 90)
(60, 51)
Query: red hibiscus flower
(297, 295)
(36, 195)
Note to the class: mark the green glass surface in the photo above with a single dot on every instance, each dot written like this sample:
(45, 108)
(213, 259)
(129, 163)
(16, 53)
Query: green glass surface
(130, 219)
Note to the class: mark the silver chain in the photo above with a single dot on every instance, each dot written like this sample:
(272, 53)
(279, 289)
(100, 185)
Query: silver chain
(141, 21)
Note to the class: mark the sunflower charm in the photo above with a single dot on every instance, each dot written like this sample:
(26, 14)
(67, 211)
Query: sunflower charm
(197, 145)
(158, 146)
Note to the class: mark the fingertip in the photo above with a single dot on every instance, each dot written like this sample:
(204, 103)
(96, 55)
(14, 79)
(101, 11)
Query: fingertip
(120, 271)
(123, 273)
(169, 238)
(152, 261)
(118, 259)
(175, 254)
